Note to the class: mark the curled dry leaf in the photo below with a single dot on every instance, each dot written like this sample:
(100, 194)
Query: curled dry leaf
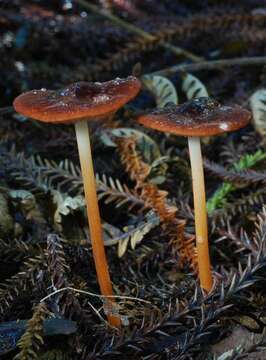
(193, 87)
(65, 205)
(258, 107)
(162, 88)
(134, 234)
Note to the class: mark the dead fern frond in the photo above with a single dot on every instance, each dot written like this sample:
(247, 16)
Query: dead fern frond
(244, 206)
(205, 24)
(137, 169)
(257, 242)
(57, 265)
(239, 177)
(18, 248)
(22, 282)
(31, 341)
(43, 175)
(55, 354)
(156, 199)
(187, 252)
(134, 234)
(112, 191)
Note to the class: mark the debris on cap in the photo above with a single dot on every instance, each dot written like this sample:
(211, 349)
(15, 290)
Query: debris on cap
(202, 116)
(81, 100)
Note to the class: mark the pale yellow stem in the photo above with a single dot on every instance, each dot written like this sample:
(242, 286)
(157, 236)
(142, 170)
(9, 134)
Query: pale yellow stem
(96, 235)
(200, 212)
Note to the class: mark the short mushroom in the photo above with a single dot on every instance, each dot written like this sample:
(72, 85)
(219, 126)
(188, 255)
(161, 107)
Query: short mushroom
(76, 104)
(197, 118)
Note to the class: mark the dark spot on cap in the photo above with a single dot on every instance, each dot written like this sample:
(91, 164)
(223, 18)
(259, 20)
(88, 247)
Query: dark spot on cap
(81, 100)
(198, 117)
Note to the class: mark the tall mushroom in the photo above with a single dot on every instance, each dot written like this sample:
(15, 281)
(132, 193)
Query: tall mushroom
(79, 103)
(196, 118)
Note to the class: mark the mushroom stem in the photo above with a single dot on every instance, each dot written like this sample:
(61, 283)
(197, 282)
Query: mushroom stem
(96, 235)
(200, 213)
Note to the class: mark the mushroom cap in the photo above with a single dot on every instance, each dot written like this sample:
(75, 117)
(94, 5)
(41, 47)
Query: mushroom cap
(81, 100)
(198, 117)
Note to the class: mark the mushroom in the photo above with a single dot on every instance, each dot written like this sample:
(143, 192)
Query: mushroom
(78, 103)
(197, 118)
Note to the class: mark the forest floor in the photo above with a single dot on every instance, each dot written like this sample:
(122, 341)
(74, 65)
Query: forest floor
(205, 48)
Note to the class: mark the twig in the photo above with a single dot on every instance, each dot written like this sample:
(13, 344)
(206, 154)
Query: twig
(138, 31)
(93, 294)
(212, 65)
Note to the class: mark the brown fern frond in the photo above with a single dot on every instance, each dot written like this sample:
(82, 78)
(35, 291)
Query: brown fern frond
(244, 205)
(31, 341)
(18, 247)
(137, 169)
(240, 177)
(112, 191)
(202, 23)
(22, 282)
(39, 174)
(156, 199)
(188, 252)
(56, 261)
(183, 244)
(57, 265)
(249, 34)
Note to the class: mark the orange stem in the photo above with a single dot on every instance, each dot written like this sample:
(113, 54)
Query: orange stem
(200, 212)
(96, 235)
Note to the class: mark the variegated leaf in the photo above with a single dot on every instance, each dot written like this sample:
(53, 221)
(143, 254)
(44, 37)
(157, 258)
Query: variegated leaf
(193, 87)
(162, 88)
(258, 107)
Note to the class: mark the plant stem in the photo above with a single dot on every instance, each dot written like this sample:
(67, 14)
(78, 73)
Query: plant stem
(201, 225)
(211, 65)
(96, 235)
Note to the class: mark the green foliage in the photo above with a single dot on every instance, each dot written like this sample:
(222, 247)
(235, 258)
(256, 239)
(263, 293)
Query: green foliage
(219, 198)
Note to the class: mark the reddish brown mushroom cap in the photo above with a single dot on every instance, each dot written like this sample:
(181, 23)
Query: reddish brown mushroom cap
(81, 100)
(199, 117)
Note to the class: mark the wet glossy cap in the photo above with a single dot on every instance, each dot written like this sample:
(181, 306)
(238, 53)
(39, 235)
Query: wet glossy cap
(198, 117)
(81, 100)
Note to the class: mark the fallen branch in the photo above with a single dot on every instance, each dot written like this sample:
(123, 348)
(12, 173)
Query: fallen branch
(212, 65)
